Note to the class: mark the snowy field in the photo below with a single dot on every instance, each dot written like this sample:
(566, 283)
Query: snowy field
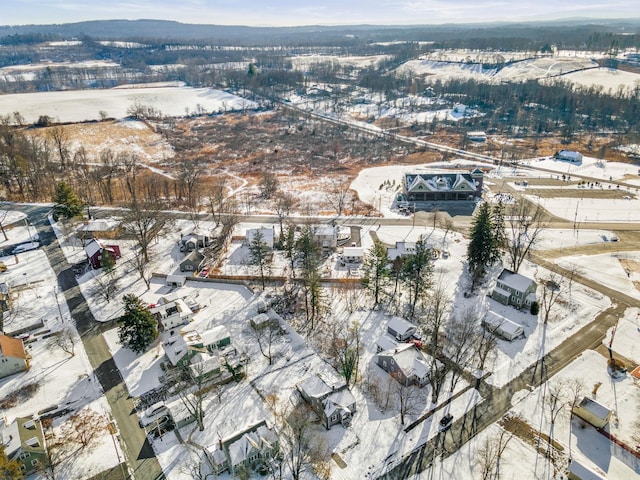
(626, 340)
(307, 62)
(85, 105)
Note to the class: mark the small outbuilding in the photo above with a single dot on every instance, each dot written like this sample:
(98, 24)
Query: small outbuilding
(175, 281)
(95, 250)
(502, 326)
(353, 254)
(400, 329)
(569, 156)
(593, 412)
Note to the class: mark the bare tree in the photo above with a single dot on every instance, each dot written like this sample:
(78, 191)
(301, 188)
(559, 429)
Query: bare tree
(85, 427)
(485, 346)
(268, 184)
(490, 453)
(141, 265)
(407, 400)
(460, 342)
(552, 288)
(524, 222)
(338, 196)
(143, 221)
(265, 336)
(188, 183)
(61, 142)
(284, 204)
(64, 340)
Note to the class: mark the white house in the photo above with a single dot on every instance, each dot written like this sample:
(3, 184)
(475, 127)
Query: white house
(477, 136)
(326, 236)
(268, 235)
(171, 312)
(353, 254)
(569, 156)
(175, 281)
(401, 250)
(13, 357)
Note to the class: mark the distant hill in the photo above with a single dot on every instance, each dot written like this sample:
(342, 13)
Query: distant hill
(243, 35)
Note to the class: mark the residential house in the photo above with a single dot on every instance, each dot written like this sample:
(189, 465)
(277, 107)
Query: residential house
(400, 329)
(95, 250)
(330, 399)
(171, 312)
(109, 228)
(251, 447)
(477, 136)
(180, 414)
(326, 236)
(24, 442)
(268, 235)
(194, 240)
(386, 342)
(445, 185)
(181, 347)
(593, 412)
(502, 326)
(216, 338)
(407, 364)
(217, 458)
(13, 357)
(568, 156)
(353, 254)
(401, 250)
(514, 289)
(204, 366)
(175, 281)
(5, 296)
(194, 261)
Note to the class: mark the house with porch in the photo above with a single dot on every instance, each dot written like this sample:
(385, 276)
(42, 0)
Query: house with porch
(24, 442)
(407, 364)
(514, 289)
(443, 186)
(251, 447)
(13, 356)
(330, 398)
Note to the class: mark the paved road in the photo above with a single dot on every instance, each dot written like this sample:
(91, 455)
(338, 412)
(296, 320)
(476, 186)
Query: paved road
(140, 457)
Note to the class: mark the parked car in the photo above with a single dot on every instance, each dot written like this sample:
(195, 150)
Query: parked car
(25, 247)
(445, 422)
(153, 413)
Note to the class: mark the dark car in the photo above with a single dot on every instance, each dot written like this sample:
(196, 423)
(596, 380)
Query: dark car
(445, 422)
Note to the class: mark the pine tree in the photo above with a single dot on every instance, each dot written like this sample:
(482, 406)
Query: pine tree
(499, 236)
(138, 329)
(260, 256)
(480, 252)
(67, 202)
(376, 269)
(9, 469)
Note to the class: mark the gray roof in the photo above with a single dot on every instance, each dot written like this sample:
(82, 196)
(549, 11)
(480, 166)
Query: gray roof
(595, 408)
(400, 325)
(515, 280)
(316, 386)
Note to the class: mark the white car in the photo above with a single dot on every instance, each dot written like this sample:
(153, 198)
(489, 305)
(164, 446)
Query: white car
(153, 413)
(25, 247)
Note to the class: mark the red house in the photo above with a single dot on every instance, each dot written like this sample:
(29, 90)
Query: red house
(95, 249)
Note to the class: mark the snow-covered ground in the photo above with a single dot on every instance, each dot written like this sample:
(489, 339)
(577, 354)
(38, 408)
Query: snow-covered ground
(626, 339)
(83, 105)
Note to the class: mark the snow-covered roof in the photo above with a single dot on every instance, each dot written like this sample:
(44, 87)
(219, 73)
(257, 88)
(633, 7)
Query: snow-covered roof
(439, 181)
(516, 281)
(502, 324)
(401, 249)
(570, 155)
(353, 252)
(177, 345)
(410, 360)
(203, 363)
(10, 438)
(257, 437)
(386, 342)
(214, 335)
(400, 325)
(100, 225)
(93, 247)
(324, 231)
(318, 386)
(595, 408)
(268, 235)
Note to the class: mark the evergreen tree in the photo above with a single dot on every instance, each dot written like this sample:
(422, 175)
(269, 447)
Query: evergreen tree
(417, 270)
(376, 269)
(260, 256)
(138, 329)
(480, 252)
(499, 236)
(9, 469)
(67, 202)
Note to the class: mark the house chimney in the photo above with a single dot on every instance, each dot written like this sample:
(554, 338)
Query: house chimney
(220, 443)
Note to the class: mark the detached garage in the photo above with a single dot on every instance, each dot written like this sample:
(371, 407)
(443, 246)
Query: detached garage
(175, 281)
(502, 326)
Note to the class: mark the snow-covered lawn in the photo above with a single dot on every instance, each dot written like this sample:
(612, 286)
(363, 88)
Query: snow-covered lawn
(626, 340)
(84, 105)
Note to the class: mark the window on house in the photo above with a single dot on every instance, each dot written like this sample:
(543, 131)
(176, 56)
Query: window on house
(384, 363)
(35, 462)
(24, 455)
(23, 468)
(514, 299)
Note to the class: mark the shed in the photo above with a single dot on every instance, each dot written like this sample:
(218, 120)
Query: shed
(579, 471)
(502, 326)
(176, 281)
(179, 412)
(593, 412)
(400, 329)
(569, 156)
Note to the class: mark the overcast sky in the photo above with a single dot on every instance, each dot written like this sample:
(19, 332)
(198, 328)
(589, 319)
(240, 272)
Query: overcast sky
(312, 12)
